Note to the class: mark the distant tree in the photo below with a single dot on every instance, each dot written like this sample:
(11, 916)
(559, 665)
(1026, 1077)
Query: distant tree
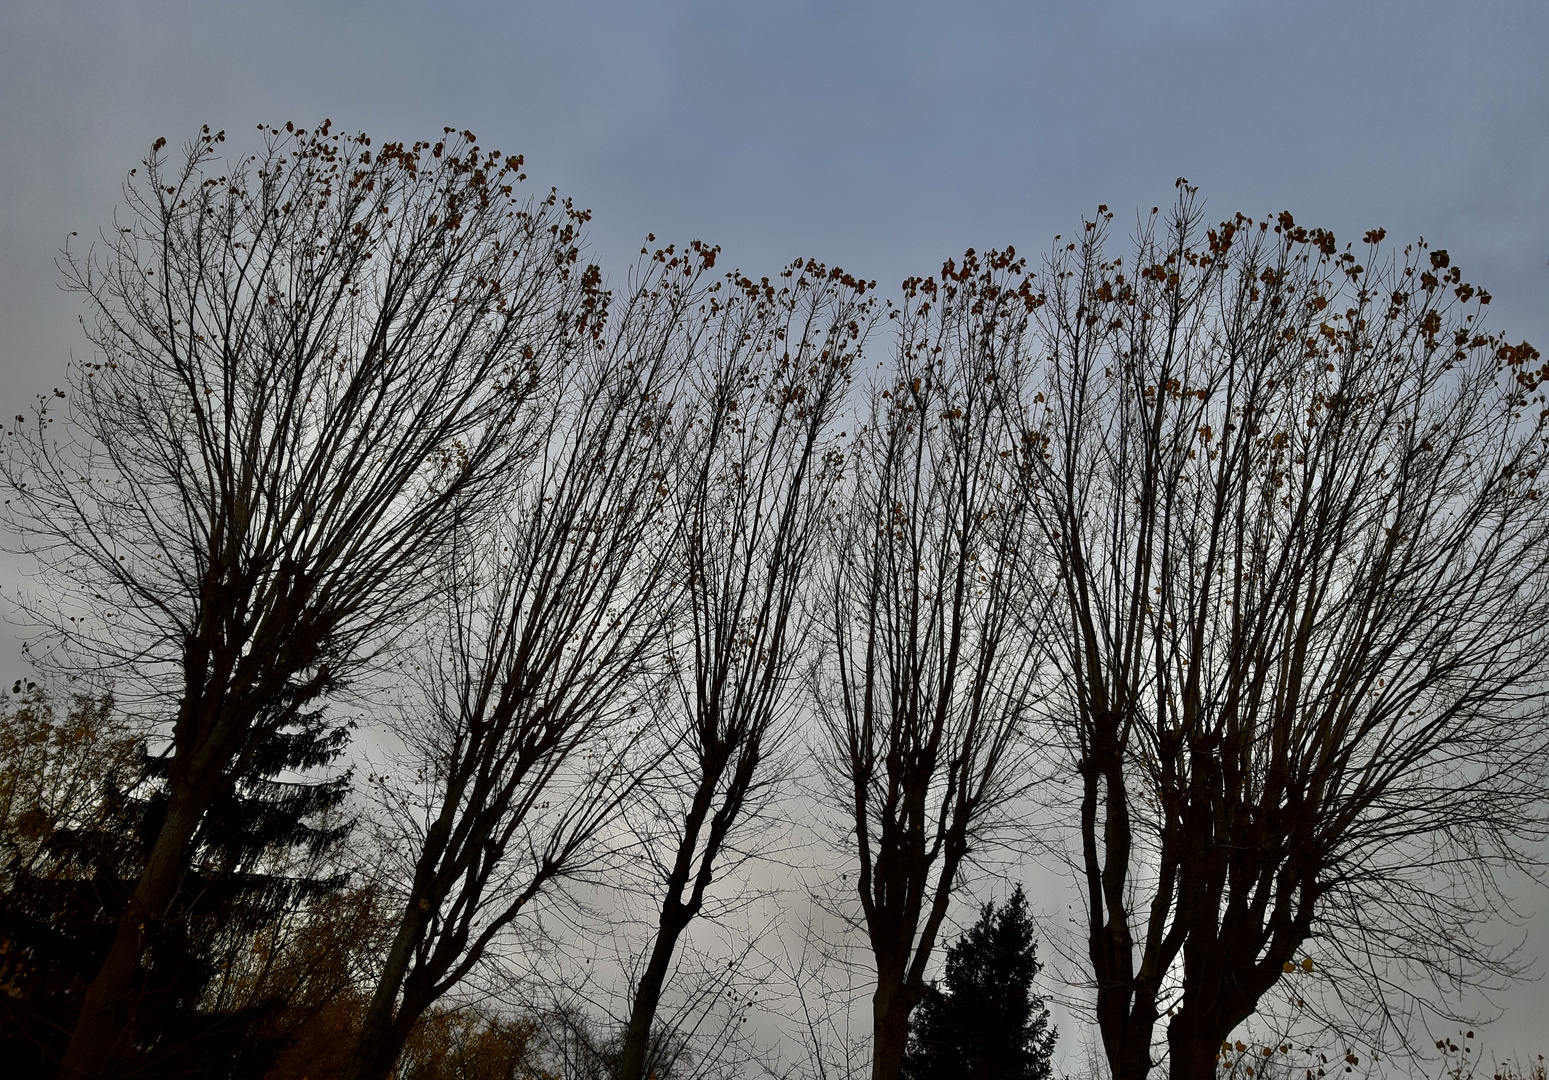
(471, 1044)
(306, 358)
(267, 853)
(319, 961)
(984, 1022)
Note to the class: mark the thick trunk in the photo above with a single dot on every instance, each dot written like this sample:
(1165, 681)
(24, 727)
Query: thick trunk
(890, 1009)
(102, 1032)
(1217, 997)
(637, 1039)
(1126, 1035)
(1193, 1050)
(1126, 1004)
(1135, 1061)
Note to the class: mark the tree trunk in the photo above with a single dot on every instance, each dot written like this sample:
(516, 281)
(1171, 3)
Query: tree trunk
(100, 1033)
(890, 1009)
(384, 1029)
(1193, 1051)
(676, 915)
(637, 1040)
(1126, 1021)
(1135, 1057)
(382, 1039)
(1219, 999)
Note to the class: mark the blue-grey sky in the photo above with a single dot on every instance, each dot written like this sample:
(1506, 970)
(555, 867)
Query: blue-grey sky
(884, 137)
(881, 136)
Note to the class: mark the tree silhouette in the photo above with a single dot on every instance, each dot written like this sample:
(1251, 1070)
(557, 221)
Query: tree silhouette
(930, 676)
(985, 1023)
(310, 363)
(1291, 493)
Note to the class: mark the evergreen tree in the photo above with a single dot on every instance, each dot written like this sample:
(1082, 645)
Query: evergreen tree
(985, 1023)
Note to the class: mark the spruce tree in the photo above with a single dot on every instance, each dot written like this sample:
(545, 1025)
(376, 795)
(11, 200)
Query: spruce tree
(985, 1022)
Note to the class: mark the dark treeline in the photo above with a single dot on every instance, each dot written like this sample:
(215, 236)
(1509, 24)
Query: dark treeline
(404, 583)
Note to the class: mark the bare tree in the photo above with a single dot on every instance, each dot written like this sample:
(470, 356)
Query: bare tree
(1301, 571)
(56, 764)
(306, 356)
(931, 683)
(553, 635)
(771, 364)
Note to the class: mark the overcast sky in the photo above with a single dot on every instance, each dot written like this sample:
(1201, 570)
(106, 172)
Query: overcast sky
(881, 136)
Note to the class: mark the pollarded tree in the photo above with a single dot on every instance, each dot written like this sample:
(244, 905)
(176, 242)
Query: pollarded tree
(1301, 565)
(985, 1022)
(769, 372)
(307, 356)
(544, 647)
(930, 677)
